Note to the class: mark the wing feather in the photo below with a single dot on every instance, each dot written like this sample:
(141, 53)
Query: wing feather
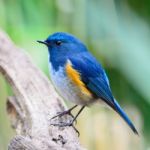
(95, 79)
(93, 76)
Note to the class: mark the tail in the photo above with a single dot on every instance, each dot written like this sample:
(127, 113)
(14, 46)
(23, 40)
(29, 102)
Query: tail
(119, 110)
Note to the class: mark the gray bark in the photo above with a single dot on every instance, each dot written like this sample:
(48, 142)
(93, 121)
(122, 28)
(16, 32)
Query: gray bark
(33, 104)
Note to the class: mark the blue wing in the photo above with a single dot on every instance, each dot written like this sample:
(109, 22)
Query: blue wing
(93, 75)
(95, 78)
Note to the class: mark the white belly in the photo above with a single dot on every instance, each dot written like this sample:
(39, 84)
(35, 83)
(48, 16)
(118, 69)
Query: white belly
(65, 87)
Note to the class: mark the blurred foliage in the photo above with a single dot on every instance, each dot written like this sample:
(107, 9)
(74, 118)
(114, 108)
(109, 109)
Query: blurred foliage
(116, 32)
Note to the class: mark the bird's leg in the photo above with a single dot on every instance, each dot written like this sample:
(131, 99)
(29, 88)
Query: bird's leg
(71, 123)
(66, 112)
(75, 118)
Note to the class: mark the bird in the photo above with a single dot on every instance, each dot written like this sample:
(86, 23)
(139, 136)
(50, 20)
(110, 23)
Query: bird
(78, 76)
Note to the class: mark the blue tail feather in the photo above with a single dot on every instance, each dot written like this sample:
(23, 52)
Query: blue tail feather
(119, 110)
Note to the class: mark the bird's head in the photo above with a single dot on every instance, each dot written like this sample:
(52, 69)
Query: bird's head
(63, 43)
(61, 46)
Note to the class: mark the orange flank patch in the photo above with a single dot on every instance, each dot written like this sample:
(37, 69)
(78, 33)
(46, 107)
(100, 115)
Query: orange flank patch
(74, 76)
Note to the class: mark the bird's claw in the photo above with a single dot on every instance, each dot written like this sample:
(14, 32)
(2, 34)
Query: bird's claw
(61, 114)
(63, 124)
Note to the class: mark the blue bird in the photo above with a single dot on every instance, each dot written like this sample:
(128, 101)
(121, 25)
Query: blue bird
(78, 76)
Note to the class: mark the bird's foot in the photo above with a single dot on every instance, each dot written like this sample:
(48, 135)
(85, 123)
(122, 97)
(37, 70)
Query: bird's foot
(61, 114)
(64, 124)
(66, 112)
(71, 123)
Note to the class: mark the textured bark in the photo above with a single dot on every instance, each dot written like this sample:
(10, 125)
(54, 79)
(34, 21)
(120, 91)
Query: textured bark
(33, 104)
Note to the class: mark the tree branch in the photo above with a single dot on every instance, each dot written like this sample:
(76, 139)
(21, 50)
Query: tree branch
(33, 104)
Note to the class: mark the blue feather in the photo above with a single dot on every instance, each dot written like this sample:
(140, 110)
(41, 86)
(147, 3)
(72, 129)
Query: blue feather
(91, 71)
(124, 116)
(95, 78)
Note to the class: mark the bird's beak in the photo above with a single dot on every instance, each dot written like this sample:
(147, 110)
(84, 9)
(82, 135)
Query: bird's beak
(43, 42)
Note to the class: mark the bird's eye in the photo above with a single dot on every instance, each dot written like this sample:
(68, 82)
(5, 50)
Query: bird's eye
(58, 42)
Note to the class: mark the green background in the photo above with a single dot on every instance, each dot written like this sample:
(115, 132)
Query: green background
(117, 33)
